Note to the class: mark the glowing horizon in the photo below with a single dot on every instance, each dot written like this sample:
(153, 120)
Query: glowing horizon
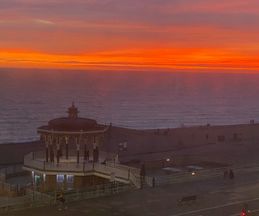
(113, 34)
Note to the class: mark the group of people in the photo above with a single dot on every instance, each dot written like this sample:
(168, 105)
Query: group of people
(229, 174)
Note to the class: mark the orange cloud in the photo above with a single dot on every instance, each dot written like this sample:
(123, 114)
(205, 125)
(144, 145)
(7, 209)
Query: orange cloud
(185, 34)
(173, 59)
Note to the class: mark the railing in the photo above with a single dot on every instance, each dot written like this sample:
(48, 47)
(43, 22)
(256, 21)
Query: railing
(7, 188)
(97, 191)
(30, 200)
(10, 170)
(198, 175)
(135, 179)
(31, 161)
(72, 155)
(109, 170)
(121, 166)
(183, 177)
(36, 199)
(132, 172)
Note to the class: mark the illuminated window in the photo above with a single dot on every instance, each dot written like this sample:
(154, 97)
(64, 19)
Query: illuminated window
(70, 178)
(60, 178)
(37, 179)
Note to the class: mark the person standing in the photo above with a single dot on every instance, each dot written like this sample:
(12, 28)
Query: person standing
(231, 174)
(153, 182)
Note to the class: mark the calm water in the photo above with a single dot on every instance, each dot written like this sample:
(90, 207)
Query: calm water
(29, 99)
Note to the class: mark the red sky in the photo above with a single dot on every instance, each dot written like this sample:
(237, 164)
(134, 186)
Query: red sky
(130, 34)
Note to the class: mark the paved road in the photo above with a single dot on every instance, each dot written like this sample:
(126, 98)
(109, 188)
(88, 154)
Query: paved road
(215, 197)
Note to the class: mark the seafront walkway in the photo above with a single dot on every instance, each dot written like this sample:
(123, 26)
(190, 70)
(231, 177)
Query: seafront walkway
(202, 174)
(215, 196)
(35, 199)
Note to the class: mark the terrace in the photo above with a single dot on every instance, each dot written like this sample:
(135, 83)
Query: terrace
(105, 168)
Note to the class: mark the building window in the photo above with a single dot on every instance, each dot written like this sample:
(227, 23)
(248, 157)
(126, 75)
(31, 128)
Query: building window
(60, 178)
(70, 178)
(37, 180)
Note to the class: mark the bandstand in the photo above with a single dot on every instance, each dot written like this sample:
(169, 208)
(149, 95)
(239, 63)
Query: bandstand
(73, 156)
(63, 136)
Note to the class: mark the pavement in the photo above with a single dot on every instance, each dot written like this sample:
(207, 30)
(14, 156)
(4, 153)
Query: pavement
(215, 196)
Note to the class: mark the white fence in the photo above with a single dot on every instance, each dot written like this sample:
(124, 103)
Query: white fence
(11, 170)
(97, 191)
(36, 199)
(31, 199)
(8, 172)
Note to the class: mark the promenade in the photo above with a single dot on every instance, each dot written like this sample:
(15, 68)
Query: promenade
(215, 196)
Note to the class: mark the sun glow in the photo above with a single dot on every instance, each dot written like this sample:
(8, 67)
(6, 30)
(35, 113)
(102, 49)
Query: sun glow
(182, 59)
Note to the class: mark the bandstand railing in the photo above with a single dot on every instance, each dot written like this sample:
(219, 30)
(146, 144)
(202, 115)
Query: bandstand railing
(113, 171)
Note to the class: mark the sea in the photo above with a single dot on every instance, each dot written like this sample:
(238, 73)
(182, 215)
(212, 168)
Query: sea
(30, 98)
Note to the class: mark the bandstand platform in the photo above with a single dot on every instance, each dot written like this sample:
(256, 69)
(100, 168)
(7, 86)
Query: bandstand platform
(72, 158)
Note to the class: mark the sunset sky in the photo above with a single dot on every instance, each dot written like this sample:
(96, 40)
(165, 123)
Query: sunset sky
(130, 34)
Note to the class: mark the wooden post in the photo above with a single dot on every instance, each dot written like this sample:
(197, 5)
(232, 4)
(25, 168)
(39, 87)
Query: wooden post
(51, 154)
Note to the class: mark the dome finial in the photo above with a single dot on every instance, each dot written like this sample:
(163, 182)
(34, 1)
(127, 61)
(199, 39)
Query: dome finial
(72, 111)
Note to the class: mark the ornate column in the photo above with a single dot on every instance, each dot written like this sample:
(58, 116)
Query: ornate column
(66, 143)
(61, 145)
(94, 146)
(77, 150)
(96, 154)
(51, 149)
(47, 148)
(86, 152)
(94, 142)
(95, 150)
(58, 151)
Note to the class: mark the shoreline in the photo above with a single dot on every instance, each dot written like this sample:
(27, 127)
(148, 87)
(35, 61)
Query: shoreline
(219, 143)
(183, 126)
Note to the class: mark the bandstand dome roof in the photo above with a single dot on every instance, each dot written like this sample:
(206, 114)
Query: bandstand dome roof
(72, 123)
